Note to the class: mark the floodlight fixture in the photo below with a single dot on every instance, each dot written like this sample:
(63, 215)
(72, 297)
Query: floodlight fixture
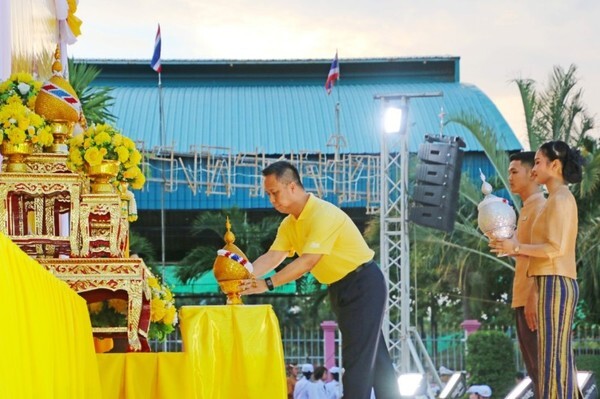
(411, 385)
(392, 119)
(587, 384)
(455, 387)
(523, 390)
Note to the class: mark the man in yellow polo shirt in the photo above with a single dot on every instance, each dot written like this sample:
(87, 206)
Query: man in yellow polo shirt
(330, 246)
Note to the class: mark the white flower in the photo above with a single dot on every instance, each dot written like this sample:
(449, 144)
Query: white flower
(23, 88)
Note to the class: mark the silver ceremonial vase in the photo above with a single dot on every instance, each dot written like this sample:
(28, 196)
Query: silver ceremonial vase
(496, 218)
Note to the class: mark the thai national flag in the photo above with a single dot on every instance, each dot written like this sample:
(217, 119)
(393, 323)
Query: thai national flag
(155, 63)
(334, 74)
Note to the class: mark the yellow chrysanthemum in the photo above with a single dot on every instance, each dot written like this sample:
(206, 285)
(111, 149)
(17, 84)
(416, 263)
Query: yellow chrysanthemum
(169, 317)
(157, 309)
(17, 136)
(75, 156)
(117, 140)
(123, 154)
(135, 157)
(138, 182)
(132, 172)
(153, 283)
(76, 141)
(102, 138)
(127, 142)
(120, 305)
(93, 156)
(95, 307)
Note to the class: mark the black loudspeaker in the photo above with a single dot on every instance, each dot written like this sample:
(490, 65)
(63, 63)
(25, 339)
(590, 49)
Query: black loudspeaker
(437, 183)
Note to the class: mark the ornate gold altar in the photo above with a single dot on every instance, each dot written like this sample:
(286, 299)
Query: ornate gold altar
(49, 208)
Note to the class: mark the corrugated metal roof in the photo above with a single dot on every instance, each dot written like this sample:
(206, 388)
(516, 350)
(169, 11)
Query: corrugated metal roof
(281, 107)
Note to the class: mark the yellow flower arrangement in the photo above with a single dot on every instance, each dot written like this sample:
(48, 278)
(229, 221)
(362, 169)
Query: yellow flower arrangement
(20, 88)
(163, 313)
(105, 142)
(19, 124)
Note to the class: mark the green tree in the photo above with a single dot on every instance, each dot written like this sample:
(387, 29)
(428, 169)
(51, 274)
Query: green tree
(491, 361)
(253, 238)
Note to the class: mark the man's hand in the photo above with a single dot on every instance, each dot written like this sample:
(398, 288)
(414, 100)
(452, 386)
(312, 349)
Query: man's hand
(531, 316)
(253, 286)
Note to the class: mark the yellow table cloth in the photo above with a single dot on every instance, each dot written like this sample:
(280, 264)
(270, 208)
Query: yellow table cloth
(235, 351)
(162, 375)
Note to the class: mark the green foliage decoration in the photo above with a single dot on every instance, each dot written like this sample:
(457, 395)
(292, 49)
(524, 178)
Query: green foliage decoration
(491, 361)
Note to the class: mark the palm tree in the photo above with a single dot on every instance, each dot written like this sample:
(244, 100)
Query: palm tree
(95, 101)
(558, 113)
(252, 238)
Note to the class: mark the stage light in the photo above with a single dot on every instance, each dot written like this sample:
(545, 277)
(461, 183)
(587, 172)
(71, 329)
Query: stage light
(411, 385)
(392, 120)
(523, 390)
(455, 387)
(587, 384)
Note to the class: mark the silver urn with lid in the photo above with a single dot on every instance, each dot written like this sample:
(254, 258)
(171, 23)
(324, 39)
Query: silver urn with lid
(496, 218)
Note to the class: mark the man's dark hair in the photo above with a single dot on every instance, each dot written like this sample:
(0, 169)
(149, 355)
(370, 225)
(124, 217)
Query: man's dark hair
(526, 157)
(284, 171)
(319, 372)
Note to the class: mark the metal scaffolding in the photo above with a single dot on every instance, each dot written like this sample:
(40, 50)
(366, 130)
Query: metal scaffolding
(404, 342)
(352, 178)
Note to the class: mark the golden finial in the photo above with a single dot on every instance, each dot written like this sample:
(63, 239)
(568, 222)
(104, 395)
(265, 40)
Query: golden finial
(57, 66)
(229, 236)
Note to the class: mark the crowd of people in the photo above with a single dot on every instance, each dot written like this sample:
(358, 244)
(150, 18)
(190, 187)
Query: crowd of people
(313, 382)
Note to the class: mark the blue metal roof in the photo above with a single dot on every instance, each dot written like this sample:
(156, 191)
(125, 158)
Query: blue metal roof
(279, 107)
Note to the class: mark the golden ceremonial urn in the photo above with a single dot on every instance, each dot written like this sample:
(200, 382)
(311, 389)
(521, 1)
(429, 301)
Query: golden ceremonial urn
(230, 267)
(496, 218)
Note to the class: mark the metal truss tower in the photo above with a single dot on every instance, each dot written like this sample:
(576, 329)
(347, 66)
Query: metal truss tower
(404, 343)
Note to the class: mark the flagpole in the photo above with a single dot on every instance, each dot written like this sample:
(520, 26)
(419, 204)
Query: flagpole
(336, 156)
(164, 182)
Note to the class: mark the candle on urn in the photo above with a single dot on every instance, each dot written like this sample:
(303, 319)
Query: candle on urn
(496, 218)
(230, 267)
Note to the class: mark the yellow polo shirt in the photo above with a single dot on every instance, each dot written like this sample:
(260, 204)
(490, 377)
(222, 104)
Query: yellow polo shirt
(522, 285)
(322, 228)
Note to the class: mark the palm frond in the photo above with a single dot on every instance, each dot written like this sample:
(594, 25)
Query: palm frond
(95, 101)
(529, 99)
(489, 141)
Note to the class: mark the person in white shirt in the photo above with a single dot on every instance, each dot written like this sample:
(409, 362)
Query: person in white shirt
(333, 387)
(301, 387)
(316, 388)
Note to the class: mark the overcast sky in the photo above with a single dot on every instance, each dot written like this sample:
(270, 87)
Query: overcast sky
(497, 41)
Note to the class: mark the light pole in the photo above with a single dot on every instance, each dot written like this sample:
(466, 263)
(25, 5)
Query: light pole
(394, 238)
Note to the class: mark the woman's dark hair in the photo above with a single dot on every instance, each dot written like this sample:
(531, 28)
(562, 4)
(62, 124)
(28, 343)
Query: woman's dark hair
(570, 158)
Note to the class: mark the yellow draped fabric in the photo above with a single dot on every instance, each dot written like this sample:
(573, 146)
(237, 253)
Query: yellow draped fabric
(46, 337)
(145, 375)
(236, 351)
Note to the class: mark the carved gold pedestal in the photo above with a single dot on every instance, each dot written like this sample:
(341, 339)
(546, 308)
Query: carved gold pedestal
(101, 176)
(100, 279)
(15, 155)
(99, 224)
(61, 131)
(30, 205)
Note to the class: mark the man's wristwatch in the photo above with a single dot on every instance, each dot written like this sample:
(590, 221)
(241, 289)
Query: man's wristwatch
(517, 249)
(269, 283)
